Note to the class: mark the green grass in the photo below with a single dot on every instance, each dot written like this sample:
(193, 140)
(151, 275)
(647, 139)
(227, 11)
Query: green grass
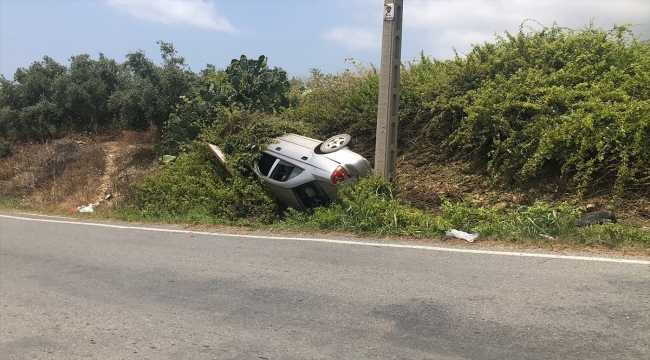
(370, 208)
(14, 203)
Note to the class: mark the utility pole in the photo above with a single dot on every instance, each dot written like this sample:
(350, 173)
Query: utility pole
(391, 55)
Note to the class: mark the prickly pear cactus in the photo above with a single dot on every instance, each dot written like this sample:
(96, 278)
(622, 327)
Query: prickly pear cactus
(255, 86)
(179, 132)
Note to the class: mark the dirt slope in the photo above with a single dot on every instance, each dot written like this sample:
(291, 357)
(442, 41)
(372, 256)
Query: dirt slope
(63, 174)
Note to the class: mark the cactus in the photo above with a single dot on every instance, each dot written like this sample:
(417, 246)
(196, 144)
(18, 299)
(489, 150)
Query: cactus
(180, 132)
(256, 87)
(247, 83)
(198, 107)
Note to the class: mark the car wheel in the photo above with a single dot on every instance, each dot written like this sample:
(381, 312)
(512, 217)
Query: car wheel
(336, 142)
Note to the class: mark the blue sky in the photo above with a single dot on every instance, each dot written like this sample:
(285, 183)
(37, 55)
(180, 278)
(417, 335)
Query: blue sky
(295, 34)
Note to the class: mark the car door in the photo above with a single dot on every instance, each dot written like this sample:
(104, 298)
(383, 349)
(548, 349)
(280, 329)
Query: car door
(275, 172)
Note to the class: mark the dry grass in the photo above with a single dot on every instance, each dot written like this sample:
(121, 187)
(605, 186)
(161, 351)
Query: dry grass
(55, 174)
(7, 170)
(65, 173)
(130, 166)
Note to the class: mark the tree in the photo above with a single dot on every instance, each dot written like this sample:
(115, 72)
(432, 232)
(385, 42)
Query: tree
(153, 91)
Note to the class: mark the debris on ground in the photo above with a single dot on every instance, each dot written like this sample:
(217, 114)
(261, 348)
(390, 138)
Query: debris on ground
(218, 153)
(596, 218)
(547, 236)
(462, 235)
(83, 208)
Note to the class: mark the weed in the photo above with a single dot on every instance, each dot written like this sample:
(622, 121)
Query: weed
(466, 216)
(369, 207)
(612, 236)
(543, 219)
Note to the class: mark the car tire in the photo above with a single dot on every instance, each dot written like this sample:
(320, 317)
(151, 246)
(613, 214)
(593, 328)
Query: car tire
(336, 143)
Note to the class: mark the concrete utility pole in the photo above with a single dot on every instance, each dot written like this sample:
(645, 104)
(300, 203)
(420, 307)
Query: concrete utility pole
(391, 55)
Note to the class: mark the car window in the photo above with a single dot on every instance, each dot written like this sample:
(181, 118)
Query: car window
(296, 171)
(284, 171)
(266, 163)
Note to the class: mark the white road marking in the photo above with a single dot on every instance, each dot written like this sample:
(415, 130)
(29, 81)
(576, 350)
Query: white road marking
(346, 242)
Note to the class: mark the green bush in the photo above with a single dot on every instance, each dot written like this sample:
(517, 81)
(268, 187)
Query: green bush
(552, 102)
(48, 100)
(341, 103)
(197, 186)
(243, 135)
(370, 207)
(540, 103)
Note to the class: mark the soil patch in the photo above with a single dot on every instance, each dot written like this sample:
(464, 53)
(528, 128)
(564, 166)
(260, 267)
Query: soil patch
(62, 174)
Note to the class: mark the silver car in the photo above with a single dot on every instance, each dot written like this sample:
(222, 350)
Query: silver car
(304, 173)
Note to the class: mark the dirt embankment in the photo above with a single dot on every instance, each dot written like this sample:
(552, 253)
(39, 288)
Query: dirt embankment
(66, 173)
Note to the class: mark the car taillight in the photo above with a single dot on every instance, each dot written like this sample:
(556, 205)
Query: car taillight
(339, 175)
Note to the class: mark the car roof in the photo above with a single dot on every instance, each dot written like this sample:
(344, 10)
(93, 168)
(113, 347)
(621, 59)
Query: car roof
(297, 148)
(293, 146)
(300, 140)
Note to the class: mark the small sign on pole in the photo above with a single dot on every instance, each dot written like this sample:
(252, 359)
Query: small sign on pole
(389, 11)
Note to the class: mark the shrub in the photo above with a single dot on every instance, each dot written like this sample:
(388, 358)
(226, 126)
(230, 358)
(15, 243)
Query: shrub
(370, 207)
(341, 103)
(196, 186)
(552, 102)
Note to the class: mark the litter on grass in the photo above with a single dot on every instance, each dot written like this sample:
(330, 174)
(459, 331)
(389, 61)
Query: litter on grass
(596, 218)
(83, 208)
(462, 235)
(218, 153)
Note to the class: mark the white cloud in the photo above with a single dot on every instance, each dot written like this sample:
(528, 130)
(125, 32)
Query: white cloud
(499, 15)
(438, 26)
(354, 38)
(462, 23)
(197, 13)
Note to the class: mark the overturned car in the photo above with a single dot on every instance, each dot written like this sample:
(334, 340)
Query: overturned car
(303, 173)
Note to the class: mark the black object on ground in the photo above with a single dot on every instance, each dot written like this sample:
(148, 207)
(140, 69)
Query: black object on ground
(595, 218)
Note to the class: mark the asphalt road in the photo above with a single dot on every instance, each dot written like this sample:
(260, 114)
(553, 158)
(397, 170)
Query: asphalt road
(71, 291)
